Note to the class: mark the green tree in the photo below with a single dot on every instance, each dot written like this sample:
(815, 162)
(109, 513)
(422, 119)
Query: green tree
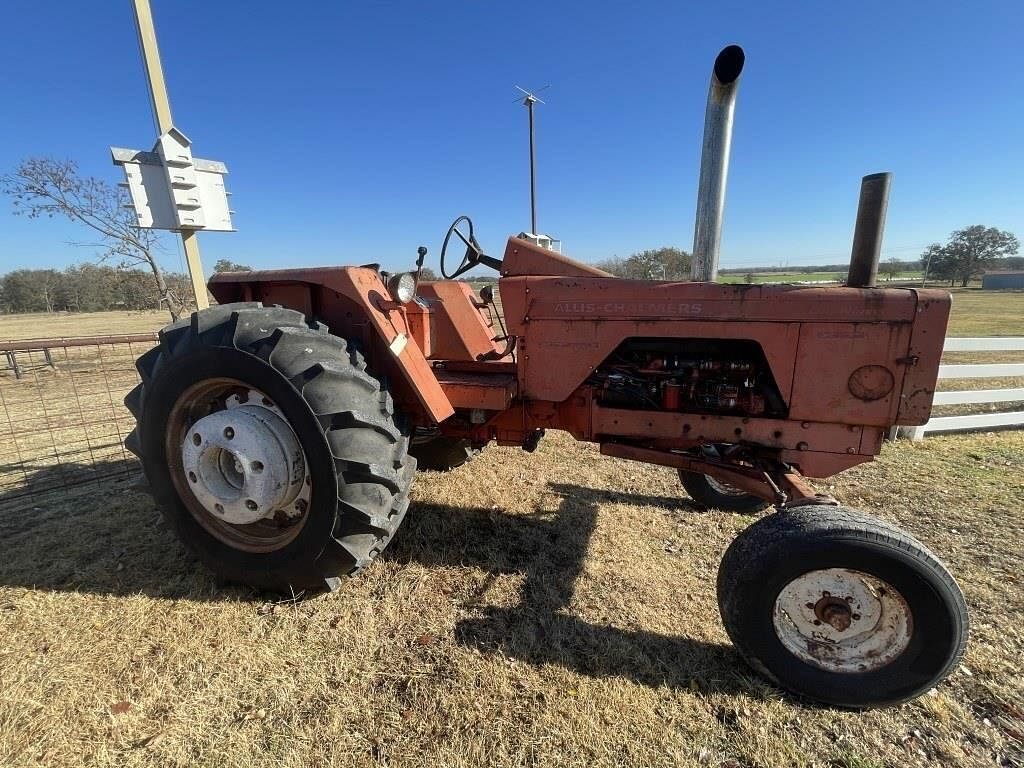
(968, 253)
(226, 265)
(930, 262)
(654, 264)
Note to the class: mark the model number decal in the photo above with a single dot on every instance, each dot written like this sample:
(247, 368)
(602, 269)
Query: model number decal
(668, 308)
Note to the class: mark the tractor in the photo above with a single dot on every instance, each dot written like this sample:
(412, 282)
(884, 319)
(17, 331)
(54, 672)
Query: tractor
(280, 431)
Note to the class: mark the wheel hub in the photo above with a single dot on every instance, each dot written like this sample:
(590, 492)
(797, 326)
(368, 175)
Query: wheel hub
(244, 463)
(842, 620)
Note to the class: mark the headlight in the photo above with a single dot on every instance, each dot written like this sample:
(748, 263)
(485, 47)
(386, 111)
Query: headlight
(402, 287)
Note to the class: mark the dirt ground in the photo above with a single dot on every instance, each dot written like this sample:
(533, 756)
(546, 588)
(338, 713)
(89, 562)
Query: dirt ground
(553, 609)
(548, 609)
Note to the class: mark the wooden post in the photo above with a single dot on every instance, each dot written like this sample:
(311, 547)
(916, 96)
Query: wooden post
(162, 110)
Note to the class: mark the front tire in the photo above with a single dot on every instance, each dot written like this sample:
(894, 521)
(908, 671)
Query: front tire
(715, 494)
(841, 607)
(271, 451)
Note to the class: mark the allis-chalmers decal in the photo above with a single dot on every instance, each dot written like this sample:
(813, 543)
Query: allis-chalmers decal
(604, 308)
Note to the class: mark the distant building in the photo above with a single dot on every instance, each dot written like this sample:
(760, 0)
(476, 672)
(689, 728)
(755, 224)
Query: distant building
(1009, 280)
(544, 241)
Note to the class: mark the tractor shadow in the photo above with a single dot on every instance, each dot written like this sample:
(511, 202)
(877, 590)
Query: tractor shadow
(550, 551)
(88, 527)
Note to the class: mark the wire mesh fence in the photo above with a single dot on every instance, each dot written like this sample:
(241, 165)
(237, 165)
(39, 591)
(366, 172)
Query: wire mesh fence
(62, 416)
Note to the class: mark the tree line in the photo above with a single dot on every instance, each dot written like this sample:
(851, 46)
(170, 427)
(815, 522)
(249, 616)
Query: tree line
(44, 187)
(967, 254)
(87, 288)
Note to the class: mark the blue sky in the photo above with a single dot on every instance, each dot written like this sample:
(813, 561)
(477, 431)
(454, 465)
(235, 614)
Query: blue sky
(355, 131)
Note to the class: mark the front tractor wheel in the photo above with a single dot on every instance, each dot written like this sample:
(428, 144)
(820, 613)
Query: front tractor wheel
(716, 494)
(272, 452)
(841, 607)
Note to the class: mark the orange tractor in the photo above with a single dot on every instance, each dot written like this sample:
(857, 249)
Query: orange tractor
(280, 431)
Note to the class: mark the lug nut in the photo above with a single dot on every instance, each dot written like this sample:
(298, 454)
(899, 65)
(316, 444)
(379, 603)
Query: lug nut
(196, 439)
(251, 505)
(229, 432)
(257, 467)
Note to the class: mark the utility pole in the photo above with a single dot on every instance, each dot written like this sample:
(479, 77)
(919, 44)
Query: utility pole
(529, 100)
(162, 110)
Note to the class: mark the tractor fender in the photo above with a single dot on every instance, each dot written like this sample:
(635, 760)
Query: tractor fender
(355, 304)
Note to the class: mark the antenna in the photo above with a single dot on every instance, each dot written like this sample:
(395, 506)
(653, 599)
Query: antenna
(529, 98)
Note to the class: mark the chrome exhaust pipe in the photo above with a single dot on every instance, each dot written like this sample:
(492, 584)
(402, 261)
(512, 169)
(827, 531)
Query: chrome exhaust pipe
(714, 163)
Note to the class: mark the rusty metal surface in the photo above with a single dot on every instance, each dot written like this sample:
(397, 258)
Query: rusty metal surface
(842, 620)
(489, 391)
(923, 357)
(828, 356)
(579, 321)
(871, 382)
(525, 258)
(867, 233)
(746, 479)
(847, 362)
(455, 325)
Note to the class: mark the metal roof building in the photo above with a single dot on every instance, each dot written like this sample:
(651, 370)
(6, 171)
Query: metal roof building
(1010, 280)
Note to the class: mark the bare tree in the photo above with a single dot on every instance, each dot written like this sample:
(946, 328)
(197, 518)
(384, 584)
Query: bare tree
(43, 186)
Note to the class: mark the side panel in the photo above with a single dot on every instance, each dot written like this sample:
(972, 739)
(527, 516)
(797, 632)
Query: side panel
(849, 372)
(836, 332)
(456, 328)
(923, 356)
(555, 357)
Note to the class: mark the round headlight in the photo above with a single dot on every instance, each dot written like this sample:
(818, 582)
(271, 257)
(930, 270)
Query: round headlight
(402, 287)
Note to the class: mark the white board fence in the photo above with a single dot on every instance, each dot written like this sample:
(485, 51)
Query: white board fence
(976, 371)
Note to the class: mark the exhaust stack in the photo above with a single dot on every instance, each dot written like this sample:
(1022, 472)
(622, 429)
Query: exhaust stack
(867, 235)
(714, 163)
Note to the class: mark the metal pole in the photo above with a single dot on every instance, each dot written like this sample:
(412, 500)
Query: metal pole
(533, 171)
(867, 235)
(162, 109)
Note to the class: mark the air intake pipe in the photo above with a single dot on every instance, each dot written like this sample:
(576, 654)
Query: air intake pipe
(714, 163)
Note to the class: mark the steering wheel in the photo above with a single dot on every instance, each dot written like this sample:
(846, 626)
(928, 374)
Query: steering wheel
(472, 255)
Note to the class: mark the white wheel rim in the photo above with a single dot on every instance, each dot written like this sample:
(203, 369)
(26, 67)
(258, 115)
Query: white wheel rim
(842, 620)
(245, 464)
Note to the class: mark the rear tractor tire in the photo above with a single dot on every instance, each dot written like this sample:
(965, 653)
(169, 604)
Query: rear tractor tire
(272, 452)
(841, 607)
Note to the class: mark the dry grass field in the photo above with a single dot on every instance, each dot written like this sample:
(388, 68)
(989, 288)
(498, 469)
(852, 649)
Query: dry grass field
(35, 326)
(547, 609)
